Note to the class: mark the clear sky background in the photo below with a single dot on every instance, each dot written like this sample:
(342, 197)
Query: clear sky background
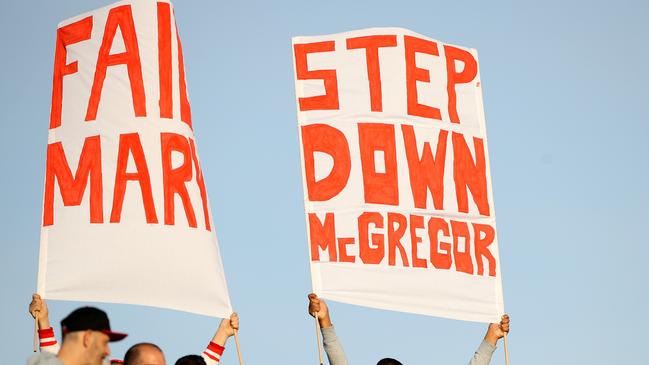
(566, 99)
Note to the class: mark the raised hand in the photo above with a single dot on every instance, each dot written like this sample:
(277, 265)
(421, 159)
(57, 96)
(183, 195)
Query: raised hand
(227, 327)
(38, 310)
(318, 308)
(497, 331)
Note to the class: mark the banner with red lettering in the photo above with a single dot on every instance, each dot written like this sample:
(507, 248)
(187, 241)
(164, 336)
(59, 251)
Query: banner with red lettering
(397, 189)
(126, 217)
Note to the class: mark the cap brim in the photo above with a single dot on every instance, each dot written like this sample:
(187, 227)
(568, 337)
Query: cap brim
(114, 336)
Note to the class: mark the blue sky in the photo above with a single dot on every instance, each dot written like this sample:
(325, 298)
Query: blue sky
(566, 102)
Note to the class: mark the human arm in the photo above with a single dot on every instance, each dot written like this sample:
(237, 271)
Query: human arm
(227, 327)
(495, 331)
(38, 310)
(333, 347)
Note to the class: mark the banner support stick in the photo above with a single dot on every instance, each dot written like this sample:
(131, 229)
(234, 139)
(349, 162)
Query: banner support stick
(505, 348)
(317, 335)
(36, 342)
(236, 341)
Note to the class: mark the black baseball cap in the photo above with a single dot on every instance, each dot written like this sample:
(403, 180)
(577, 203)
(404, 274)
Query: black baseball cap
(89, 318)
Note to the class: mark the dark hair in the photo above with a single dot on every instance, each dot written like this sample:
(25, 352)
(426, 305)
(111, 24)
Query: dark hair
(190, 360)
(388, 361)
(133, 353)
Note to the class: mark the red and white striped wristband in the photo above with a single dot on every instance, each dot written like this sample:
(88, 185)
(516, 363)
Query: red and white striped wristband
(46, 337)
(214, 351)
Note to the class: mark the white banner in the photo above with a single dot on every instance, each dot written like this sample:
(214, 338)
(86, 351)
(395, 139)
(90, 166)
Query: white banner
(126, 217)
(397, 188)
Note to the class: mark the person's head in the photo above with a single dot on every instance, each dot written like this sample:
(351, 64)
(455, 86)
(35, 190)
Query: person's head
(191, 360)
(86, 333)
(388, 361)
(144, 353)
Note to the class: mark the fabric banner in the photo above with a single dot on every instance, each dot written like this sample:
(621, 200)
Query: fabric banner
(397, 188)
(126, 217)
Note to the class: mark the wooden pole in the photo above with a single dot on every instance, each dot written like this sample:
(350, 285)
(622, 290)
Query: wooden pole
(505, 348)
(317, 335)
(236, 341)
(36, 341)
